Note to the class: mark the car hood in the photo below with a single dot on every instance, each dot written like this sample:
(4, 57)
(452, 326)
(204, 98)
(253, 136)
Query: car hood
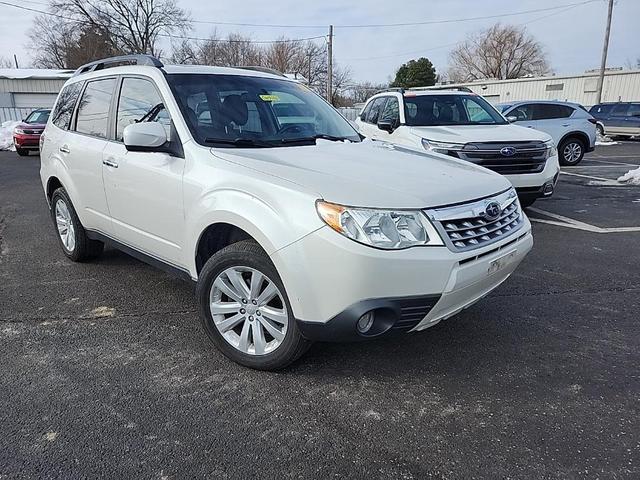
(480, 133)
(31, 126)
(372, 174)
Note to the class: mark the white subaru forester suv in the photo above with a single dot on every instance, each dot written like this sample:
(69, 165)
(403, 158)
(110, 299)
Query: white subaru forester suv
(252, 185)
(465, 126)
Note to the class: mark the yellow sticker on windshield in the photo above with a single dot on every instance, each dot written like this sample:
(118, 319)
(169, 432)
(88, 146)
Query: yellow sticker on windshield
(270, 98)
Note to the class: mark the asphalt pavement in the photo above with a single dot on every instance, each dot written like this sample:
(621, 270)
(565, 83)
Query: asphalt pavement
(105, 370)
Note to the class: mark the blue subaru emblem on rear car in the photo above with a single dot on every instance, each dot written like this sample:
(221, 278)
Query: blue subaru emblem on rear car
(492, 210)
(508, 151)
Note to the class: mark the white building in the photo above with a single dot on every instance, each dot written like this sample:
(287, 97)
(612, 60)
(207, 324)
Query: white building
(619, 86)
(25, 89)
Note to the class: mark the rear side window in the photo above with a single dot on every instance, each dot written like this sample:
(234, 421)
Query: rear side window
(376, 108)
(67, 99)
(93, 110)
(140, 102)
(547, 111)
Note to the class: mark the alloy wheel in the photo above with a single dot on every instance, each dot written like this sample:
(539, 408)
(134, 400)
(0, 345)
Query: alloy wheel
(248, 310)
(64, 224)
(572, 152)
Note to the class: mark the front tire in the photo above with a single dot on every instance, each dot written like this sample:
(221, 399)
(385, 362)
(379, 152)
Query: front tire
(245, 309)
(71, 234)
(571, 151)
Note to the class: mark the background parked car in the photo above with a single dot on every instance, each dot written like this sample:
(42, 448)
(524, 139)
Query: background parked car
(572, 128)
(622, 118)
(26, 135)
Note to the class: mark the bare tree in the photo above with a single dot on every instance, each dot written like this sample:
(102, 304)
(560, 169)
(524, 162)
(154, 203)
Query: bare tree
(360, 92)
(6, 63)
(499, 52)
(104, 27)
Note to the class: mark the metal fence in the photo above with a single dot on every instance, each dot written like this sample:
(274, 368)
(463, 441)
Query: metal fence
(12, 113)
(350, 113)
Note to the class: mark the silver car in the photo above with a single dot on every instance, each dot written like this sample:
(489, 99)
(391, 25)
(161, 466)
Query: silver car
(572, 128)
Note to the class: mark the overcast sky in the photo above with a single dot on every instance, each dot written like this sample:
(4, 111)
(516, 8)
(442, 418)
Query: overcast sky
(572, 38)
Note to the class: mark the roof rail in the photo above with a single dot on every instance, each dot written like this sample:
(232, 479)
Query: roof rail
(444, 87)
(391, 89)
(121, 60)
(256, 68)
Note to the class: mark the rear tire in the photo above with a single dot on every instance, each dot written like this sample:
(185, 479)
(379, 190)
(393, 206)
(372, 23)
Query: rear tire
(71, 234)
(244, 320)
(571, 151)
(599, 130)
(22, 152)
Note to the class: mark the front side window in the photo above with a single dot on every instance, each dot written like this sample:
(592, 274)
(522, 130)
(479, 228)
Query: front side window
(93, 110)
(600, 109)
(522, 113)
(634, 110)
(63, 110)
(391, 112)
(376, 108)
(620, 110)
(434, 110)
(246, 111)
(140, 102)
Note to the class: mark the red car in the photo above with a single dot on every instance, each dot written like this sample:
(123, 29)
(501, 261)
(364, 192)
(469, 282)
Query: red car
(26, 135)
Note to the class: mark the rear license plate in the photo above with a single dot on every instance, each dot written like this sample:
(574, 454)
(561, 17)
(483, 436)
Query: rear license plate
(499, 263)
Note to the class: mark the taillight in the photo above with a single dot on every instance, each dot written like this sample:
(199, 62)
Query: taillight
(592, 120)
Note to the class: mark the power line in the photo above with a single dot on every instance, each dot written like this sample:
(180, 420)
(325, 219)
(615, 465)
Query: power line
(181, 37)
(407, 24)
(394, 55)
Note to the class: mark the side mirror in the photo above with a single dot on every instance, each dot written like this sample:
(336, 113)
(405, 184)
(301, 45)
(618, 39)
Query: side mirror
(512, 118)
(144, 137)
(386, 125)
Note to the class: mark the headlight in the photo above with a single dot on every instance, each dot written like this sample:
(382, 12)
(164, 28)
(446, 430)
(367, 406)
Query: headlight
(18, 131)
(552, 151)
(388, 229)
(441, 147)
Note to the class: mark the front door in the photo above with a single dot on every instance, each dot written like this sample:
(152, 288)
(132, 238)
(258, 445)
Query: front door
(144, 189)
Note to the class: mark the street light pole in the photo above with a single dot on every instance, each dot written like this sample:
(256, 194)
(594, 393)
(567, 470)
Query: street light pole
(605, 48)
(330, 66)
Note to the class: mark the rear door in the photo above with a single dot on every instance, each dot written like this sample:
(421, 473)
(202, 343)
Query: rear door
(554, 119)
(616, 122)
(144, 189)
(82, 149)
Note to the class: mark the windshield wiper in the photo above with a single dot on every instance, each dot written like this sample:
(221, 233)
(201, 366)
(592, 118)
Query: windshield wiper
(312, 138)
(239, 142)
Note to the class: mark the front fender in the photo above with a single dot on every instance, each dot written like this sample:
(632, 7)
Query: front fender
(285, 217)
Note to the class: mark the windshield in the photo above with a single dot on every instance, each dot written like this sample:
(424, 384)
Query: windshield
(38, 116)
(434, 110)
(243, 111)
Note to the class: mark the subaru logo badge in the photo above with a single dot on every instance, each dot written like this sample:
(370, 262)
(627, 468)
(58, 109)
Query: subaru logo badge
(508, 151)
(492, 211)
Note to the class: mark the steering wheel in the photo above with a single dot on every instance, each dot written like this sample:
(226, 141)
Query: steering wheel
(292, 128)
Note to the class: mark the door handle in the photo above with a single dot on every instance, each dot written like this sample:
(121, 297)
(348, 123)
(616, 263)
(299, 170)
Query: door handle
(110, 163)
(64, 149)
(565, 124)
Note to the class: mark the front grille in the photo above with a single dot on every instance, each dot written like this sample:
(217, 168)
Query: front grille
(528, 157)
(31, 132)
(468, 226)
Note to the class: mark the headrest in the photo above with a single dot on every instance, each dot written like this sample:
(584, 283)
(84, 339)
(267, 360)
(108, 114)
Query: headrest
(235, 109)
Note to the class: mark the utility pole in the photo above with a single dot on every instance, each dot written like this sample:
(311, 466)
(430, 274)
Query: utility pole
(15, 59)
(330, 66)
(605, 48)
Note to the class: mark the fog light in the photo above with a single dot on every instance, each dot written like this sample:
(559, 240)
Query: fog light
(547, 188)
(365, 322)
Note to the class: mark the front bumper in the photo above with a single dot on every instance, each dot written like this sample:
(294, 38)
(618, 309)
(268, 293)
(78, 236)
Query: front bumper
(27, 141)
(332, 281)
(532, 180)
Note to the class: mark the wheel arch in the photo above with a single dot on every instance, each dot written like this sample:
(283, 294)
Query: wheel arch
(583, 137)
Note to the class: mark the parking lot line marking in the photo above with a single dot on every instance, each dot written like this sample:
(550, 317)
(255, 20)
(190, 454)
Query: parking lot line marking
(577, 224)
(610, 163)
(586, 176)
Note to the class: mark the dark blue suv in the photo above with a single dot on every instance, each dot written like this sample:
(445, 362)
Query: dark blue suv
(620, 118)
